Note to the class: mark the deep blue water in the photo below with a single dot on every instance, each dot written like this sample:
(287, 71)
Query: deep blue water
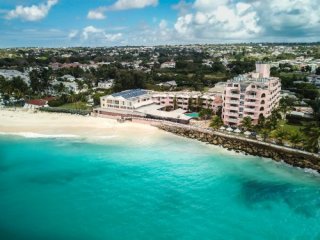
(172, 188)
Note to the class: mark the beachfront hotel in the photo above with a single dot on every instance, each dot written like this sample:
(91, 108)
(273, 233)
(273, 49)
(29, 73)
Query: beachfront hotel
(171, 106)
(251, 95)
(138, 103)
(127, 100)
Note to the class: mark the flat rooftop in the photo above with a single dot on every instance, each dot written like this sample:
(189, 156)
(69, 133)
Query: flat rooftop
(130, 93)
(153, 110)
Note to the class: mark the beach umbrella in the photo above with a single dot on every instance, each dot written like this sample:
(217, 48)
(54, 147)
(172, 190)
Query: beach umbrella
(229, 129)
(222, 128)
(247, 133)
(237, 130)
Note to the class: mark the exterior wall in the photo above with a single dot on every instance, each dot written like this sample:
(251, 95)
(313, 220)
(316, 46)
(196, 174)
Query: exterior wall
(263, 70)
(211, 101)
(122, 103)
(183, 100)
(259, 97)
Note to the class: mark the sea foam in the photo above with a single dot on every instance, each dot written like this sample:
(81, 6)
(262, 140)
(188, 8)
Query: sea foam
(39, 135)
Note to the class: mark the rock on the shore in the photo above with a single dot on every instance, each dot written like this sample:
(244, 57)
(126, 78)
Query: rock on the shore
(289, 156)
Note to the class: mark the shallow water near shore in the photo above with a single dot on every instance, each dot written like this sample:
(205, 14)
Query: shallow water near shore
(170, 188)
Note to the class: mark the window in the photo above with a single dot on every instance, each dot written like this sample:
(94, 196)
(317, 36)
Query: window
(263, 95)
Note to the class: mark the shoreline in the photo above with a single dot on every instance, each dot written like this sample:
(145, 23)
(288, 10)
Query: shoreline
(39, 124)
(293, 157)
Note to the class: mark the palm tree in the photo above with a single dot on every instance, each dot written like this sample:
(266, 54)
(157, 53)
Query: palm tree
(295, 138)
(286, 105)
(205, 113)
(175, 105)
(246, 123)
(316, 108)
(280, 134)
(216, 122)
(264, 133)
(273, 119)
(312, 140)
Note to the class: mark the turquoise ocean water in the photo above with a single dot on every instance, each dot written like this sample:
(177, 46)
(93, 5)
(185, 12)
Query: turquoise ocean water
(172, 188)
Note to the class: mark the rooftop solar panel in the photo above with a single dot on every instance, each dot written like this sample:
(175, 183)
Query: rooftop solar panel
(130, 93)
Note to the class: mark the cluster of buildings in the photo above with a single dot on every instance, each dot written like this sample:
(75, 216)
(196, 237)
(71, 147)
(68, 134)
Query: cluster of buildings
(252, 95)
(10, 74)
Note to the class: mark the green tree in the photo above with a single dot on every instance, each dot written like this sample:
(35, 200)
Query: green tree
(19, 87)
(264, 133)
(315, 104)
(246, 123)
(175, 105)
(280, 134)
(312, 133)
(216, 122)
(295, 138)
(261, 122)
(190, 104)
(286, 104)
(205, 113)
(273, 119)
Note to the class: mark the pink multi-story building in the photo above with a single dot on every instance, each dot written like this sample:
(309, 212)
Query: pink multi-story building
(252, 95)
(183, 99)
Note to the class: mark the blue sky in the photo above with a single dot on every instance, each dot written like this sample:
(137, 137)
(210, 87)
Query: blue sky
(62, 23)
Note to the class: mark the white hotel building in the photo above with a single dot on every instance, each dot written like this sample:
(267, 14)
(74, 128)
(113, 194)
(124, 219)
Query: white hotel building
(127, 100)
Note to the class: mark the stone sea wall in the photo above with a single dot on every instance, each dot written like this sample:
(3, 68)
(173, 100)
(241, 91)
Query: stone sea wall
(291, 156)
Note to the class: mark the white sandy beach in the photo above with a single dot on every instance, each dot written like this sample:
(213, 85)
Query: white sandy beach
(42, 124)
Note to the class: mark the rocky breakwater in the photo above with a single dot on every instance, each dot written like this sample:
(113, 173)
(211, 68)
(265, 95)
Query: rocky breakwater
(291, 156)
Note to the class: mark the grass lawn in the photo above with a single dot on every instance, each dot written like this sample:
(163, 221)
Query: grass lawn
(289, 127)
(76, 106)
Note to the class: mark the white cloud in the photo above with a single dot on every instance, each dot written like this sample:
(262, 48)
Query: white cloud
(97, 14)
(73, 34)
(131, 4)
(220, 19)
(295, 16)
(99, 35)
(32, 13)
(209, 5)
(163, 24)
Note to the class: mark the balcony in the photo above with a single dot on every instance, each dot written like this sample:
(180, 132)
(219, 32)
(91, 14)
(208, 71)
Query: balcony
(232, 120)
(251, 103)
(249, 96)
(232, 101)
(228, 108)
(232, 114)
(253, 110)
(252, 116)
(234, 95)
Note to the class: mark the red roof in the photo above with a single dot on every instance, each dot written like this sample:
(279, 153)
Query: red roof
(37, 102)
(49, 98)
